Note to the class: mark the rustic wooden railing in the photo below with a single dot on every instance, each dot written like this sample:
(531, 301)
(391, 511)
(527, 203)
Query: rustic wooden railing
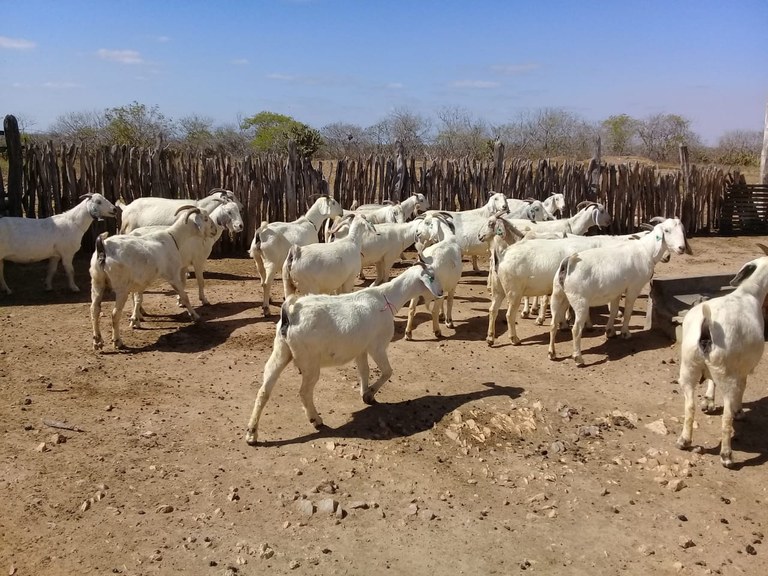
(281, 187)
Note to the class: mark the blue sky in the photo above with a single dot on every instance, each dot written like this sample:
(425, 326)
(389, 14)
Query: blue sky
(324, 61)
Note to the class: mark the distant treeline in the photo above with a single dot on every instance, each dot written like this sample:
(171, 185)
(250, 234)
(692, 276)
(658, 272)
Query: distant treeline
(281, 187)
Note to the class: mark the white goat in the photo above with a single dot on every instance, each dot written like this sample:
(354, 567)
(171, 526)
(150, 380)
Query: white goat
(555, 204)
(55, 239)
(444, 256)
(196, 250)
(150, 211)
(411, 206)
(589, 214)
(723, 340)
(327, 268)
(529, 209)
(272, 241)
(602, 275)
(467, 224)
(316, 331)
(131, 263)
(527, 269)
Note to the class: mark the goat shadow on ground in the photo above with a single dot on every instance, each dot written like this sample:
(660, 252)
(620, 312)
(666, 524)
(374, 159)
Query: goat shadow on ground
(612, 349)
(386, 421)
(212, 331)
(28, 284)
(748, 434)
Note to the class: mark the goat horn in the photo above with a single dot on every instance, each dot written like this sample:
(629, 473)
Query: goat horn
(86, 195)
(763, 247)
(186, 207)
(657, 220)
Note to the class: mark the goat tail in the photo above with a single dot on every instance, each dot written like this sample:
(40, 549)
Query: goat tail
(705, 334)
(563, 269)
(285, 318)
(288, 284)
(101, 254)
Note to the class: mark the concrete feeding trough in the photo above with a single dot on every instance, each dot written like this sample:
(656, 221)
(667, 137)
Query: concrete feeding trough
(671, 298)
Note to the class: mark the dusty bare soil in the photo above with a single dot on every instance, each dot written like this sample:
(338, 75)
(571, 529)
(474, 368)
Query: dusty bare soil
(477, 460)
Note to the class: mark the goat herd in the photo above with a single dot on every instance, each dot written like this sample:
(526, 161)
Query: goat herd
(323, 322)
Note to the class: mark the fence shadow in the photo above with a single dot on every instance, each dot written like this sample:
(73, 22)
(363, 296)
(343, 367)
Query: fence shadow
(387, 421)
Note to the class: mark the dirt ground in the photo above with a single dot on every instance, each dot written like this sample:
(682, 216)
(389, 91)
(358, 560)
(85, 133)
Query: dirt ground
(477, 460)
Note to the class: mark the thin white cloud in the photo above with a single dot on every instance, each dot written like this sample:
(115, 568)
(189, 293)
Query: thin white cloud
(240, 61)
(514, 69)
(20, 85)
(163, 39)
(122, 56)
(282, 77)
(60, 85)
(16, 43)
(394, 86)
(475, 84)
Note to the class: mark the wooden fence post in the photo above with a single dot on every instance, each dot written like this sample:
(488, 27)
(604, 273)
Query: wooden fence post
(401, 174)
(594, 171)
(686, 208)
(15, 165)
(498, 167)
(291, 168)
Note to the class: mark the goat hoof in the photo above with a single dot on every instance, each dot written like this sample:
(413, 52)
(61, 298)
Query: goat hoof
(317, 423)
(708, 405)
(683, 444)
(118, 344)
(523, 314)
(97, 344)
(250, 438)
(489, 340)
(438, 335)
(740, 415)
(409, 336)
(370, 399)
(551, 355)
(610, 334)
(727, 461)
(449, 324)
(539, 321)
(579, 360)
(626, 335)
(515, 341)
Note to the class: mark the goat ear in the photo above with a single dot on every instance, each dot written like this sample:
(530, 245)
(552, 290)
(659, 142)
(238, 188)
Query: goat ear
(746, 271)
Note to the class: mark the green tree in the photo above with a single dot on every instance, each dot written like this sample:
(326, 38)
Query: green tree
(137, 125)
(272, 132)
(619, 131)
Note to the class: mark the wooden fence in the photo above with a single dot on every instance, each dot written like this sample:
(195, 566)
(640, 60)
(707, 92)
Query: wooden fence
(280, 187)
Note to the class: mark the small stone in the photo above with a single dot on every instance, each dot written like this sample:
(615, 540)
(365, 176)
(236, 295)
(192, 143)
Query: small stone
(358, 505)
(293, 564)
(751, 550)
(148, 434)
(305, 508)
(57, 438)
(327, 506)
(678, 566)
(604, 492)
(233, 496)
(557, 447)
(684, 542)
(646, 550)
(265, 551)
(85, 506)
(164, 509)
(676, 485)
(589, 431)
(42, 447)
(658, 427)
(109, 408)
(213, 563)
(330, 446)
(426, 514)
(12, 569)
(412, 510)
(682, 517)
